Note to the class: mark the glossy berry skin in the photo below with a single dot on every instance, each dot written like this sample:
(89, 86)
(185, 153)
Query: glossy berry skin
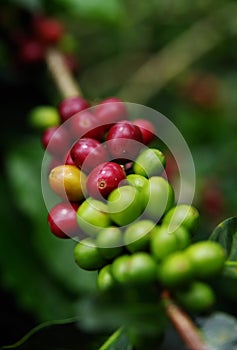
(147, 130)
(87, 255)
(110, 111)
(85, 124)
(175, 271)
(103, 179)
(207, 257)
(56, 141)
(124, 141)
(48, 30)
(87, 153)
(62, 220)
(71, 105)
(68, 182)
(105, 279)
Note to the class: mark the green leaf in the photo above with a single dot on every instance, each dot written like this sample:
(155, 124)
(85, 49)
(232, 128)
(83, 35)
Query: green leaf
(220, 331)
(226, 235)
(117, 341)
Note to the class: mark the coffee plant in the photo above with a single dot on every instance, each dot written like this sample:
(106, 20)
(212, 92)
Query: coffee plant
(129, 250)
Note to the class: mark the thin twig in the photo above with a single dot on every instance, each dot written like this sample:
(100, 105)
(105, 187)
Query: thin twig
(61, 74)
(179, 54)
(184, 325)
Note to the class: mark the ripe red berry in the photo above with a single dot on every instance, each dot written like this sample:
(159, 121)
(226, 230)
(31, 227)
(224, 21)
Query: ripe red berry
(62, 220)
(104, 178)
(147, 130)
(124, 141)
(110, 111)
(85, 124)
(87, 153)
(56, 141)
(48, 30)
(31, 52)
(71, 105)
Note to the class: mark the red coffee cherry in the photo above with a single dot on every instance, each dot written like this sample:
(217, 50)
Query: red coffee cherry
(62, 220)
(71, 105)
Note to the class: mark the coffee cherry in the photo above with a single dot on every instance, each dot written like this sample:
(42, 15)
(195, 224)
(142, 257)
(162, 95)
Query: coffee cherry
(183, 237)
(56, 140)
(68, 182)
(43, 117)
(62, 220)
(163, 242)
(48, 30)
(207, 257)
(31, 52)
(158, 196)
(138, 234)
(119, 268)
(124, 205)
(197, 297)
(87, 153)
(149, 162)
(104, 178)
(138, 181)
(87, 255)
(142, 269)
(70, 106)
(176, 270)
(147, 130)
(182, 214)
(92, 216)
(110, 111)
(124, 141)
(105, 279)
(109, 241)
(85, 124)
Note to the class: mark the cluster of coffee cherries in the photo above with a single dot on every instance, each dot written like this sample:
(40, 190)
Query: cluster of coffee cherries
(117, 203)
(37, 34)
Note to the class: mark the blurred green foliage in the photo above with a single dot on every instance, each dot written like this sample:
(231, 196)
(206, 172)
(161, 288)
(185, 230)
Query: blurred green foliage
(112, 41)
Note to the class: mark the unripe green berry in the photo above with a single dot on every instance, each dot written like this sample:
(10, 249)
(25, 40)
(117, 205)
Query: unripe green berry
(109, 241)
(105, 279)
(182, 214)
(207, 258)
(87, 255)
(175, 271)
(149, 162)
(43, 117)
(197, 297)
(137, 235)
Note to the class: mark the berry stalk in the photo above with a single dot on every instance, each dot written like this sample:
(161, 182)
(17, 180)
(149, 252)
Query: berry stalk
(184, 325)
(61, 74)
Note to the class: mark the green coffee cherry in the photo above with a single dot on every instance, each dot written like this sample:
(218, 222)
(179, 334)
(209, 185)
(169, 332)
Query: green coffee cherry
(163, 242)
(92, 216)
(207, 258)
(142, 268)
(105, 280)
(182, 214)
(137, 235)
(43, 117)
(139, 268)
(158, 196)
(175, 271)
(119, 268)
(109, 241)
(197, 297)
(87, 255)
(124, 205)
(149, 162)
